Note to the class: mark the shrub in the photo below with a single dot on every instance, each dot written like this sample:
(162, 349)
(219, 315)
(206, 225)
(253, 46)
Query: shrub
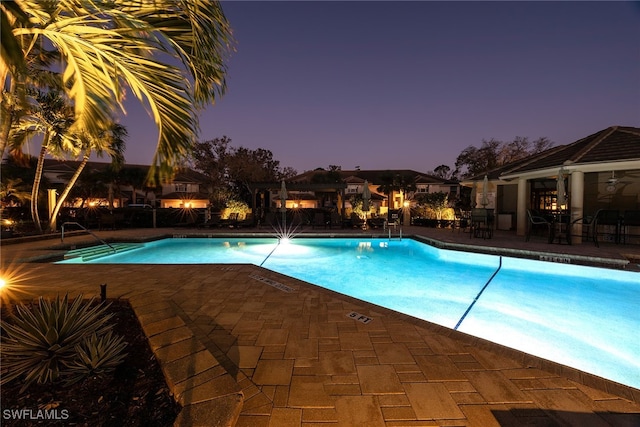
(97, 356)
(43, 342)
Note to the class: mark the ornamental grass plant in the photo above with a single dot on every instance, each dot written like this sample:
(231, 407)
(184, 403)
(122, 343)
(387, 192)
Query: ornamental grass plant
(59, 340)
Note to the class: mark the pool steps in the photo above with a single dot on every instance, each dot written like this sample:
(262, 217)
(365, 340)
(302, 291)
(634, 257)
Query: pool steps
(94, 252)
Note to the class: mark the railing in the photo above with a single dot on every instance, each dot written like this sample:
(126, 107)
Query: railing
(400, 235)
(85, 229)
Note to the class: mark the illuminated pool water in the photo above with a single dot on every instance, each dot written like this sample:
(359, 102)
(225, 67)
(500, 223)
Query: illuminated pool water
(584, 317)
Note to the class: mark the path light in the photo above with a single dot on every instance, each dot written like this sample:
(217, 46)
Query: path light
(12, 286)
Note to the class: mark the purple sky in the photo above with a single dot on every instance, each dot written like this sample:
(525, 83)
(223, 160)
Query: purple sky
(409, 85)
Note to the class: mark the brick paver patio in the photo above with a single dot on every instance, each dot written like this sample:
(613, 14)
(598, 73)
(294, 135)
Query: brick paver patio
(299, 359)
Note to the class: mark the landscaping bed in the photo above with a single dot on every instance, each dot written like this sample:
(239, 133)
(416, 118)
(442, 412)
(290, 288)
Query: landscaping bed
(136, 394)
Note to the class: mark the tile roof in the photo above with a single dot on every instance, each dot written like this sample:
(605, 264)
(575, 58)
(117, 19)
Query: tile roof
(373, 176)
(615, 143)
(70, 166)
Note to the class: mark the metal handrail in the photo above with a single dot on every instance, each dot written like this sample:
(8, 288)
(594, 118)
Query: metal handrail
(85, 229)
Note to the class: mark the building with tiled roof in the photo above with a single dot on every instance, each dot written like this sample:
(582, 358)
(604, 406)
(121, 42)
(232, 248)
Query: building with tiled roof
(184, 190)
(349, 182)
(600, 171)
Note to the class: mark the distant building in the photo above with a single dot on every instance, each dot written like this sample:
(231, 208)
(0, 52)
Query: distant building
(185, 190)
(333, 189)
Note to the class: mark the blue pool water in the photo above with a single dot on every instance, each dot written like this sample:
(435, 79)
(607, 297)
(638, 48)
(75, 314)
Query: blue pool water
(584, 317)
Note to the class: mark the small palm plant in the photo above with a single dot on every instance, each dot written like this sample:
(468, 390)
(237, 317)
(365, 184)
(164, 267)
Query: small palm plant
(58, 337)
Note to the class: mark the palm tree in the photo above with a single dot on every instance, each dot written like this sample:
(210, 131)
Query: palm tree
(390, 183)
(136, 178)
(109, 141)
(50, 115)
(108, 48)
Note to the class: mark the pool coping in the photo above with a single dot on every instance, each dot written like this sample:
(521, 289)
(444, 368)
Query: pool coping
(554, 257)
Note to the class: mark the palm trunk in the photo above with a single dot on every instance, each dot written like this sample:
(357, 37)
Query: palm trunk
(35, 190)
(6, 119)
(5, 128)
(67, 190)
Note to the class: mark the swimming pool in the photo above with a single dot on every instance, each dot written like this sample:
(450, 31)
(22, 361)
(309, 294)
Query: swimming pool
(584, 317)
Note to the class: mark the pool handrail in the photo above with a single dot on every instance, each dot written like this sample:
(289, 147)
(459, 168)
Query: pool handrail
(85, 229)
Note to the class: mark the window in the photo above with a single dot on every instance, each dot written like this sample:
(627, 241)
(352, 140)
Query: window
(352, 190)
(422, 189)
(181, 188)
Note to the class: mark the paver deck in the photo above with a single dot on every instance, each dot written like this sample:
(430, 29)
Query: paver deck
(299, 358)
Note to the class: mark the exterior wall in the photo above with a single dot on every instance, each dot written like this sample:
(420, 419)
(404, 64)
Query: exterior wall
(184, 204)
(623, 196)
(180, 187)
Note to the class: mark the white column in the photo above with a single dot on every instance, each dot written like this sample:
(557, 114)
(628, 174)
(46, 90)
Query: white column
(521, 216)
(52, 205)
(576, 188)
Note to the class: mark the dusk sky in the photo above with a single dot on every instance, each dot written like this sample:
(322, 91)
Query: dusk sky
(409, 85)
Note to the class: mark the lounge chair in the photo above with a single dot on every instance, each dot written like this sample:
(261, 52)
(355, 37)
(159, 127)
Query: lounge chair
(231, 221)
(535, 220)
(213, 222)
(248, 221)
(376, 222)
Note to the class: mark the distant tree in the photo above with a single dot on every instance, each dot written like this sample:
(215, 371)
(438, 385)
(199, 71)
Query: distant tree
(327, 176)
(246, 166)
(493, 153)
(231, 171)
(14, 191)
(436, 202)
(288, 172)
(136, 178)
(442, 171)
(395, 182)
(210, 158)
(521, 147)
(90, 185)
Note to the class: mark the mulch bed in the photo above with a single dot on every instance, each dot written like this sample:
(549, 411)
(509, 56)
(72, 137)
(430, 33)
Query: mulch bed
(135, 395)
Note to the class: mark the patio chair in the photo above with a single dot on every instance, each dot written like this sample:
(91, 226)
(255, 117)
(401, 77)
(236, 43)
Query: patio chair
(319, 220)
(461, 220)
(607, 222)
(630, 224)
(586, 227)
(535, 220)
(356, 221)
(336, 220)
(481, 225)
